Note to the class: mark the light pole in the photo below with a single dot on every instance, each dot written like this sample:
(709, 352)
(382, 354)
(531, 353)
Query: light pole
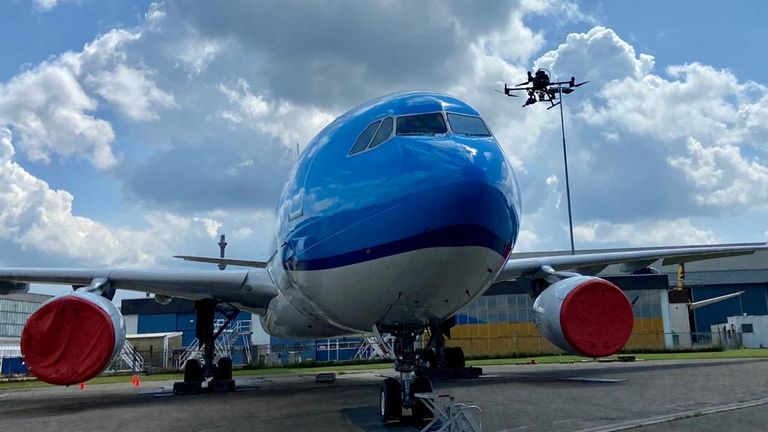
(567, 182)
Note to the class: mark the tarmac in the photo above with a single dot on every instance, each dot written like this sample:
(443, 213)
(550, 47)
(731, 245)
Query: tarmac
(701, 395)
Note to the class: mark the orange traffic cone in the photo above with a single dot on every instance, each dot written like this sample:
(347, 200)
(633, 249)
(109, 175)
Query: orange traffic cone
(82, 386)
(136, 381)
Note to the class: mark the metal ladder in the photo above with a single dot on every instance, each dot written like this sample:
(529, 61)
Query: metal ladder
(372, 347)
(223, 344)
(130, 357)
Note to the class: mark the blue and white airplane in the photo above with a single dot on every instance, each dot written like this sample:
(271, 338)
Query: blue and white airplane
(396, 215)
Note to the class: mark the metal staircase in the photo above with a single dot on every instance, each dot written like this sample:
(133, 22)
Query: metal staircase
(223, 344)
(375, 347)
(129, 359)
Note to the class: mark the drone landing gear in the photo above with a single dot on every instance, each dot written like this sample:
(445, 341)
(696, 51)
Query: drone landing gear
(219, 375)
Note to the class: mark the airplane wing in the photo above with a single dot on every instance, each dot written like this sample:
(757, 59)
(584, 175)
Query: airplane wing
(253, 288)
(223, 261)
(593, 263)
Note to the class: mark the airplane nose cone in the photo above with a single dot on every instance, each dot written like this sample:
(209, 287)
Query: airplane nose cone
(465, 189)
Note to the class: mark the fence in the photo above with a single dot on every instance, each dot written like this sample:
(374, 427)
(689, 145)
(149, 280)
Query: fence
(495, 346)
(518, 346)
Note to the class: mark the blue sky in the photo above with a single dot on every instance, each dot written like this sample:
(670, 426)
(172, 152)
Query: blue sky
(133, 131)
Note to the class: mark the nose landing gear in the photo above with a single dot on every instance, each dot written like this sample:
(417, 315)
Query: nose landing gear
(399, 394)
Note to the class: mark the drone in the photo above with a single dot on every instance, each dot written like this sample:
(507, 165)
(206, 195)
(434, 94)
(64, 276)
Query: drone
(540, 89)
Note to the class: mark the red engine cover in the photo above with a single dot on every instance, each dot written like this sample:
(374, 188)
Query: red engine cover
(586, 315)
(69, 340)
(596, 318)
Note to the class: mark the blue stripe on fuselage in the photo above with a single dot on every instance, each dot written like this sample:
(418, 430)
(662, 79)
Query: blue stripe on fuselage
(451, 236)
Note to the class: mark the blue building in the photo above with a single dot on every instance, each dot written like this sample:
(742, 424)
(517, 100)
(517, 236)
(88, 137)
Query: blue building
(147, 316)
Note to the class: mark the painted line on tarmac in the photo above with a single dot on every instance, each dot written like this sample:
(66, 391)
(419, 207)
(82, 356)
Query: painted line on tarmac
(595, 380)
(632, 424)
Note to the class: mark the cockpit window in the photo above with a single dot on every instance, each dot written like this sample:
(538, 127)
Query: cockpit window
(421, 124)
(467, 125)
(365, 138)
(383, 134)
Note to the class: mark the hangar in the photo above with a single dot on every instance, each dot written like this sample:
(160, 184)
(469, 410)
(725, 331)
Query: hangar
(14, 311)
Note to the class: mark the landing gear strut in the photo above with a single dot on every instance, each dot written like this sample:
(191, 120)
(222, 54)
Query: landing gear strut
(219, 374)
(416, 366)
(443, 360)
(398, 394)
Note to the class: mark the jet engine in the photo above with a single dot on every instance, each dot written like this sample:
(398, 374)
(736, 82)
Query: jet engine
(72, 338)
(584, 315)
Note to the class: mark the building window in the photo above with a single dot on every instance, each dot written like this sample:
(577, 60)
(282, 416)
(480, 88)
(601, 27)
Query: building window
(747, 328)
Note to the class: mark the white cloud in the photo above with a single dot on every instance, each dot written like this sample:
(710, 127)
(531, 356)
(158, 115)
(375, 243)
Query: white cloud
(722, 176)
(284, 120)
(647, 233)
(45, 5)
(34, 216)
(196, 53)
(212, 226)
(54, 107)
(527, 241)
(599, 55)
(131, 92)
(6, 144)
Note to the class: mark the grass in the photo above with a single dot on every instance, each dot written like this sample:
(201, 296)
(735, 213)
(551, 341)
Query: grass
(342, 368)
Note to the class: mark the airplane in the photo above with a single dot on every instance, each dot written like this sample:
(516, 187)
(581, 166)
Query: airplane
(541, 87)
(396, 215)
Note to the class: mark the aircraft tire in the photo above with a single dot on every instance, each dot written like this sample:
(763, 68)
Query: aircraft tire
(454, 357)
(430, 358)
(193, 372)
(421, 385)
(224, 369)
(390, 400)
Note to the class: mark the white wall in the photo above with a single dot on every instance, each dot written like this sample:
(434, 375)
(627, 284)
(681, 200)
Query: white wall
(680, 325)
(131, 324)
(259, 336)
(759, 336)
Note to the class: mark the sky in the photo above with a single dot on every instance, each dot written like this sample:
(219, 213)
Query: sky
(134, 131)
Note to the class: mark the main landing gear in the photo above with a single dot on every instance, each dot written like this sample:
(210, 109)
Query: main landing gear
(219, 375)
(397, 397)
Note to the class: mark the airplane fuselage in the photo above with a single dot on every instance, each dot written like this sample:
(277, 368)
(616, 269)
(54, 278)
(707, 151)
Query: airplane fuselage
(401, 211)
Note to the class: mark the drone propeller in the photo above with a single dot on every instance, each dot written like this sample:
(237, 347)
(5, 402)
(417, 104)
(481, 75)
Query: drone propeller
(580, 84)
